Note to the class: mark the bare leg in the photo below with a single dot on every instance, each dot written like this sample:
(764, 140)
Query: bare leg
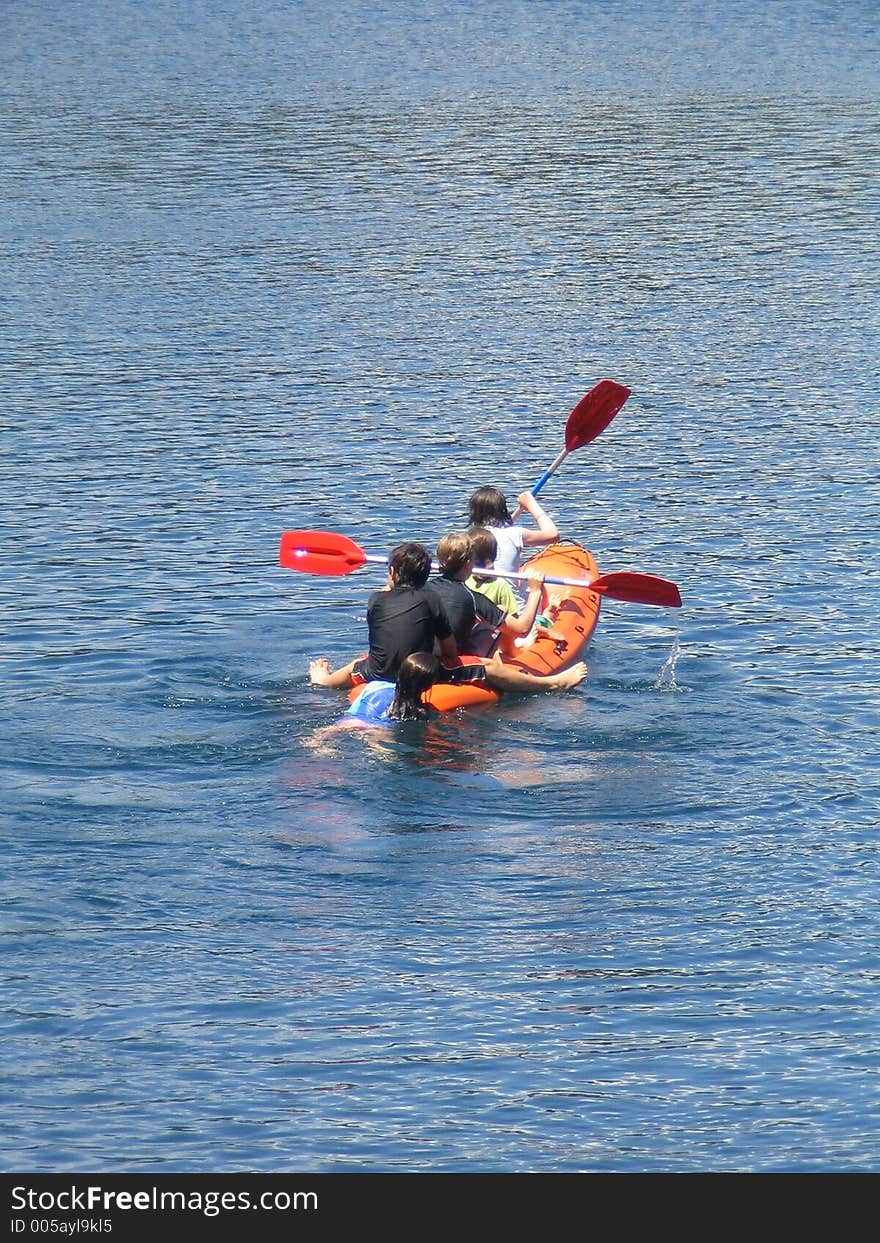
(503, 678)
(320, 673)
(321, 740)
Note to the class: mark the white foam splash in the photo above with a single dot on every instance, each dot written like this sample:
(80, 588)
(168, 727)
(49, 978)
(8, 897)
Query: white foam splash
(666, 677)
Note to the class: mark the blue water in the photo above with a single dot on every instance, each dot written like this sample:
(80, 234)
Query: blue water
(299, 265)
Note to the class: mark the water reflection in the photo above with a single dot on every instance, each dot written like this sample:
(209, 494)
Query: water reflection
(295, 271)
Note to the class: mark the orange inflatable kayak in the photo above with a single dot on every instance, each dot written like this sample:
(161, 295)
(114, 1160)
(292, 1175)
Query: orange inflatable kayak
(572, 613)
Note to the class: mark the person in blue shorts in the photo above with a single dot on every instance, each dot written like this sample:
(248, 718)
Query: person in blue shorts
(382, 703)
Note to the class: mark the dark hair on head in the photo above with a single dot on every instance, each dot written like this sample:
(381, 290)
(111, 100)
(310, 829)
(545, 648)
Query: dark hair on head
(411, 564)
(418, 673)
(484, 545)
(488, 508)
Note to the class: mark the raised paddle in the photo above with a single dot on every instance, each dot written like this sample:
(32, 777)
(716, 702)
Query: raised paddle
(587, 420)
(324, 552)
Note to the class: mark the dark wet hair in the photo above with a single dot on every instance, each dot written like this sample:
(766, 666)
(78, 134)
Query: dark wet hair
(411, 563)
(488, 508)
(417, 674)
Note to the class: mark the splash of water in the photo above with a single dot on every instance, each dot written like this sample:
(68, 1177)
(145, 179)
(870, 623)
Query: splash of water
(666, 677)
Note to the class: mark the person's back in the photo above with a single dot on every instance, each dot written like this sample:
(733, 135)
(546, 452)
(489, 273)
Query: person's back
(496, 590)
(467, 611)
(382, 702)
(372, 704)
(402, 619)
(487, 508)
(462, 606)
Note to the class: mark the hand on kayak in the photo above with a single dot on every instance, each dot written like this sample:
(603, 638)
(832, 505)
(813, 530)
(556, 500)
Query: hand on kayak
(535, 580)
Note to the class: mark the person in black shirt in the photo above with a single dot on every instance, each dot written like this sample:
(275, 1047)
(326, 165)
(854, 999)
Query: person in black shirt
(405, 617)
(464, 607)
(402, 618)
(475, 619)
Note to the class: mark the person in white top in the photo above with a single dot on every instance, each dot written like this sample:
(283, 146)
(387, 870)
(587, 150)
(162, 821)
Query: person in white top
(488, 508)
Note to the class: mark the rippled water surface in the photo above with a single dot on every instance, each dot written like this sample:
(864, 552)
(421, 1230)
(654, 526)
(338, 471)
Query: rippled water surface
(333, 267)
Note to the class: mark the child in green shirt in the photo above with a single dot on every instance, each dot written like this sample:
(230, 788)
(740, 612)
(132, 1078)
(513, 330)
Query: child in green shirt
(485, 549)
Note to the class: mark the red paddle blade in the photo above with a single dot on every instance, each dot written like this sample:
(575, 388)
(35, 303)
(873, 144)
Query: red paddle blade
(319, 552)
(638, 589)
(593, 413)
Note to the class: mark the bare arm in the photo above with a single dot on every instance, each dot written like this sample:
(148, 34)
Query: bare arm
(547, 530)
(521, 623)
(320, 673)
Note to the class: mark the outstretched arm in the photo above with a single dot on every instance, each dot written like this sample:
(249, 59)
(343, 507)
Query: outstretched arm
(320, 673)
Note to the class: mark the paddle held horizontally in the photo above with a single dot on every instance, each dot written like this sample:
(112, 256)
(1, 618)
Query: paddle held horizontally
(327, 553)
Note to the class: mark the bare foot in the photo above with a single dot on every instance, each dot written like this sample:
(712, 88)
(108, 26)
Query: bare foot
(319, 672)
(568, 678)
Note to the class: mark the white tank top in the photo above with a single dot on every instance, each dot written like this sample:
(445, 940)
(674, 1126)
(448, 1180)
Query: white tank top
(509, 555)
